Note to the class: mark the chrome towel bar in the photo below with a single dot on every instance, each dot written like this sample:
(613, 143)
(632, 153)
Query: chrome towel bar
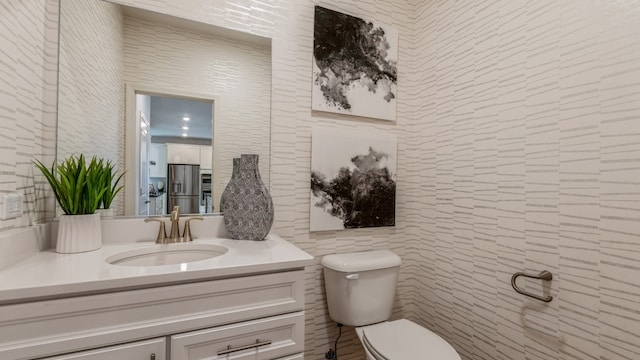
(544, 275)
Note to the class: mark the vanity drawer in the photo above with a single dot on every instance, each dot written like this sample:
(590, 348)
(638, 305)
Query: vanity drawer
(140, 350)
(52, 327)
(262, 339)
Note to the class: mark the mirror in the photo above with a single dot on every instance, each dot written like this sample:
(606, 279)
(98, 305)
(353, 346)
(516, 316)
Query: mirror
(112, 55)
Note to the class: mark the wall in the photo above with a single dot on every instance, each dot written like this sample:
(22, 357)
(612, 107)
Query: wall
(28, 91)
(517, 141)
(290, 25)
(91, 100)
(529, 136)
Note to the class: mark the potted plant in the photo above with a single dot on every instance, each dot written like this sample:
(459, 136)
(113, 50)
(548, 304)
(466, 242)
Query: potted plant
(78, 186)
(111, 181)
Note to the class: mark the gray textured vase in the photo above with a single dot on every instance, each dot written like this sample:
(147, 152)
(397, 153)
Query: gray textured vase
(226, 191)
(246, 203)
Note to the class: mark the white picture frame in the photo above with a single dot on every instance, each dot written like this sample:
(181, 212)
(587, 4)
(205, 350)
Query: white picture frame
(354, 66)
(353, 179)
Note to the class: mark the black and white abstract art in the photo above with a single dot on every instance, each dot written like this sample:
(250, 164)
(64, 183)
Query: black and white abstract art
(353, 179)
(354, 66)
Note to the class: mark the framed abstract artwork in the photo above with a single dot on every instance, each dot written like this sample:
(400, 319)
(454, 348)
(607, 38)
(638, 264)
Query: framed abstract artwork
(354, 66)
(353, 179)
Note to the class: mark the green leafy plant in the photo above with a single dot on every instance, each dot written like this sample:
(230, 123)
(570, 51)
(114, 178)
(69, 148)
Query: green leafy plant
(77, 185)
(110, 183)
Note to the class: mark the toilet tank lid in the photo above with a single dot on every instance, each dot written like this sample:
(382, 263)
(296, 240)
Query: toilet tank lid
(361, 261)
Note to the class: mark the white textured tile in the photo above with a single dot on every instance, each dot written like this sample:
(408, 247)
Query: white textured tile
(553, 180)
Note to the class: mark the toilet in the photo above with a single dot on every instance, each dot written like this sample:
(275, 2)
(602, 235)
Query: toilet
(360, 289)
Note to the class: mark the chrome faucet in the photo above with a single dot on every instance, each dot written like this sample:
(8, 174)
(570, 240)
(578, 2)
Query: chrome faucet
(174, 236)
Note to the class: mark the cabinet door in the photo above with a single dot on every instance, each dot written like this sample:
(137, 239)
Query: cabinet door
(153, 349)
(183, 154)
(206, 157)
(160, 205)
(158, 161)
(153, 206)
(263, 339)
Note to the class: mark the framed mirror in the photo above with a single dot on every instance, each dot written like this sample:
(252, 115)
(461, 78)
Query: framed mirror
(110, 54)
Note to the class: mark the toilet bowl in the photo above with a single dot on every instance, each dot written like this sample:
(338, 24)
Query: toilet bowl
(403, 340)
(360, 290)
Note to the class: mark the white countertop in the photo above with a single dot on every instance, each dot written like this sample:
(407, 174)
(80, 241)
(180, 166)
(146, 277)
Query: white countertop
(48, 274)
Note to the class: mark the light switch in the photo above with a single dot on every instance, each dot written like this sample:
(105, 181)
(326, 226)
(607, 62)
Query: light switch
(11, 206)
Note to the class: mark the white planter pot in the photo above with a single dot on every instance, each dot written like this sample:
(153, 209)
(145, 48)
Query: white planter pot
(79, 233)
(105, 213)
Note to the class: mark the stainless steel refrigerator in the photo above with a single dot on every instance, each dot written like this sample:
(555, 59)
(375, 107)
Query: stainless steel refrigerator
(183, 189)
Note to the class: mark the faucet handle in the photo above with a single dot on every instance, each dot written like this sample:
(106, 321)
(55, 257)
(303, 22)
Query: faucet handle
(186, 236)
(162, 232)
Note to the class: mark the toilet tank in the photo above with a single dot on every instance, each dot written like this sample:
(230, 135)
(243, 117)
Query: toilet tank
(361, 286)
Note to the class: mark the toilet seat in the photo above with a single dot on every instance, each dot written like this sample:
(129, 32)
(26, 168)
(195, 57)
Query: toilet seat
(404, 340)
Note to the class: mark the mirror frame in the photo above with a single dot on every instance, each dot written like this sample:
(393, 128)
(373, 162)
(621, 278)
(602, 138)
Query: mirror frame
(132, 130)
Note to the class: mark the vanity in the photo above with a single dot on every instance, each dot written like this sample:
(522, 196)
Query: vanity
(245, 301)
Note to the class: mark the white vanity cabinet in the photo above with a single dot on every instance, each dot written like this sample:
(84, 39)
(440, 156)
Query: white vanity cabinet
(196, 320)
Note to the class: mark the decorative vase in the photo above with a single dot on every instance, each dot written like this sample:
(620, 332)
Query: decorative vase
(79, 233)
(227, 189)
(245, 203)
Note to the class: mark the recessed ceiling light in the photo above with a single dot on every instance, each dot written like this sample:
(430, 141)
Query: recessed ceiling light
(184, 134)
(185, 128)
(186, 118)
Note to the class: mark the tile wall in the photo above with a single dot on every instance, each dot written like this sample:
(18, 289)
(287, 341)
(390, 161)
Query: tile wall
(529, 132)
(28, 91)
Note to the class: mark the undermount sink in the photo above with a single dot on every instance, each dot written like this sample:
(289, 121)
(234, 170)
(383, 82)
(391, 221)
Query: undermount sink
(167, 254)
